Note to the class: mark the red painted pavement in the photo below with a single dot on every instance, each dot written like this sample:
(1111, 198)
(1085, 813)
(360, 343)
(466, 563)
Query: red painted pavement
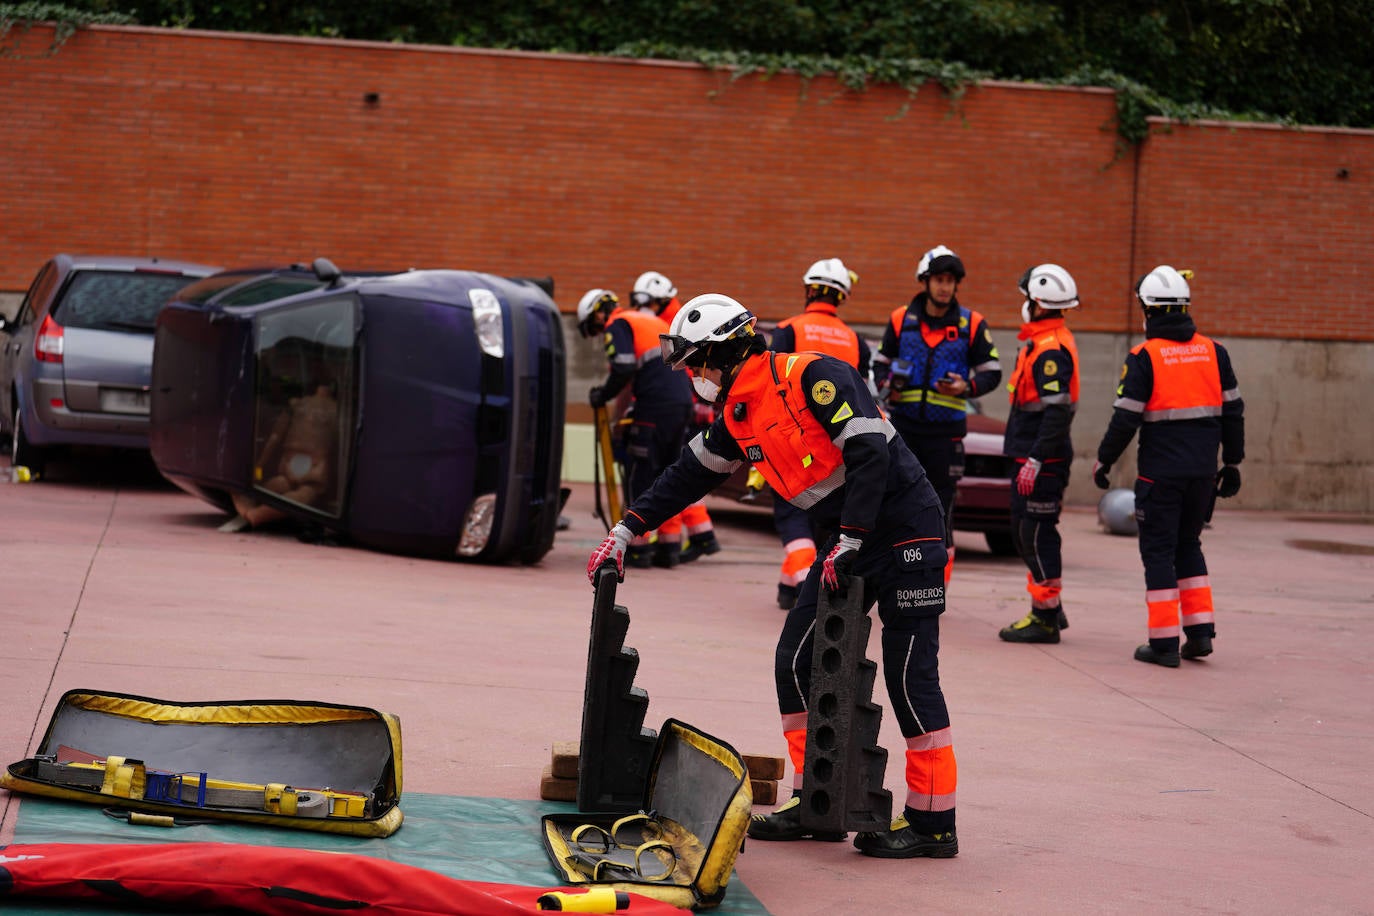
(1088, 782)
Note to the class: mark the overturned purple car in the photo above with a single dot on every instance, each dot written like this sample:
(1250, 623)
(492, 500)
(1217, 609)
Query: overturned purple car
(418, 412)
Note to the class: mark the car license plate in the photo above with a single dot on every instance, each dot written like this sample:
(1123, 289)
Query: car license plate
(123, 400)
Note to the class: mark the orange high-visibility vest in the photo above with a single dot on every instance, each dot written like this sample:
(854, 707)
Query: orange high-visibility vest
(819, 328)
(777, 432)
(1187, 379)
(646, 329)
(1050, 334)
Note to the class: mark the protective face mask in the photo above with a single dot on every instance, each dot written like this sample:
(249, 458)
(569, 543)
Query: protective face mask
(707, 390)
(1025, 312)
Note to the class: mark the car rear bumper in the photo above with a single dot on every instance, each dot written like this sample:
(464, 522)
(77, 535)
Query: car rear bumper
(53, 422)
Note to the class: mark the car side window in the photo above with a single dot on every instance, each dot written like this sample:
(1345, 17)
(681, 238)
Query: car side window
(39, 292)
(305, 404)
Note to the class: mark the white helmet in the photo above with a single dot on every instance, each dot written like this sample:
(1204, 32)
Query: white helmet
(1164, 287)
(832, 273)
(939, 260)
(652, 286)
(593, 302)
(1050, 287)
(707, 319)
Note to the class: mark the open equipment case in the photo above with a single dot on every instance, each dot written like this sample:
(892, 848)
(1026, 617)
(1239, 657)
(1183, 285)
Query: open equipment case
(308, 765)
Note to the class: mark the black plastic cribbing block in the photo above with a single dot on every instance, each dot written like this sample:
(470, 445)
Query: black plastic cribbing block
(842, 779)
(616, 751)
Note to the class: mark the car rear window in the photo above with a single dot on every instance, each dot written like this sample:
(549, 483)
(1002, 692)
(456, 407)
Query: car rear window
(116, 300)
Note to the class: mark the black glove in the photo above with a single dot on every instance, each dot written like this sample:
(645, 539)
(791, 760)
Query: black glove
(597, 396)
(1100, 472)
(1228, 481)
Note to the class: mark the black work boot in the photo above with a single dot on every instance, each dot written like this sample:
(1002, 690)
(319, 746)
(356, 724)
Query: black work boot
(787, 596)
(1148, 653)
(639, 557)
(1030, 629)
(666, 555)
(903, 842)
(1196, 647)
(785, 824)
(700, 545)
(1063, 618)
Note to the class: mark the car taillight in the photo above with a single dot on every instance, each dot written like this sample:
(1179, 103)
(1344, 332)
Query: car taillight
(47, 344)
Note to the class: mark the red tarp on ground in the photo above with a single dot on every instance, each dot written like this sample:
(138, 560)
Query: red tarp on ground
(263, 879)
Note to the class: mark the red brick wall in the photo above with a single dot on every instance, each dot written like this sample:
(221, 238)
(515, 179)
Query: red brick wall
(238, 149)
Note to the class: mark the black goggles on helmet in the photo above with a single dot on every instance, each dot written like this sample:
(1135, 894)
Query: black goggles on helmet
(678, 351)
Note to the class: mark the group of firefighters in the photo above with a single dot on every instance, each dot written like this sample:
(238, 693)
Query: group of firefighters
(867, 468)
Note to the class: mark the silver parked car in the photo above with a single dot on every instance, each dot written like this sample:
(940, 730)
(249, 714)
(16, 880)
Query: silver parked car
(76, 361)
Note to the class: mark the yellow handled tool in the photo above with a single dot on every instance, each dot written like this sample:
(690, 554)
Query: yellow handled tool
(596, 900)
(604, 460)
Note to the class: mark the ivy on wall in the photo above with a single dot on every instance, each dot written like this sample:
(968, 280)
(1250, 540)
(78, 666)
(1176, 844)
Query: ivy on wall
(64, 19)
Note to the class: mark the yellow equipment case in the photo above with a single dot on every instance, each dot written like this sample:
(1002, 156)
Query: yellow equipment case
(681, 846)
(313, 766)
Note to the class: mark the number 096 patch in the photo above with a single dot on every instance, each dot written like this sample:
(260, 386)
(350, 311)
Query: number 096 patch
(921, 554)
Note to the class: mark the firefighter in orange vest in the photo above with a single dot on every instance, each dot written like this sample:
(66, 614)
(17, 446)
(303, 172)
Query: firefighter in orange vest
(655, 293)
(810, 425)
(662, 406)
(1044, 396)
(936, 355)
(1179, 390)
(819, 329)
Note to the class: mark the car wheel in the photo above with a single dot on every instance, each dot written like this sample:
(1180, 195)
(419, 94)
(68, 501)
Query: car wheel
(22, 452)
(1000, 543)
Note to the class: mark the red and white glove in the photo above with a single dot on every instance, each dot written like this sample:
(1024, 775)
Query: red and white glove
(610, 550)
(1025, 478)
(838, 563)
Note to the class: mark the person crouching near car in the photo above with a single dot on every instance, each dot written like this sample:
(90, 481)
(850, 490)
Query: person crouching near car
(810, 425)
(1044, 396)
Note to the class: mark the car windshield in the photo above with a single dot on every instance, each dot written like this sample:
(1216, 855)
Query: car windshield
(305, 405)
(116, 300)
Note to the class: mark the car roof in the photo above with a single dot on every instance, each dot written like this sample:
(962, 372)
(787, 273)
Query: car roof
(124, 262)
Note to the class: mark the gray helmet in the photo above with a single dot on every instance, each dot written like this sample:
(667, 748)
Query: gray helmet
(1116, 511)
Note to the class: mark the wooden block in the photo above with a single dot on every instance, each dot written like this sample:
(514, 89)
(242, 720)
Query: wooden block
(765, 791)
(552, 788)
(763, 767)
(565, 755)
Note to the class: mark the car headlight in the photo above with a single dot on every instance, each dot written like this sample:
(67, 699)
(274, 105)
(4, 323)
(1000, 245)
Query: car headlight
(486, 317)
(477, 524)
